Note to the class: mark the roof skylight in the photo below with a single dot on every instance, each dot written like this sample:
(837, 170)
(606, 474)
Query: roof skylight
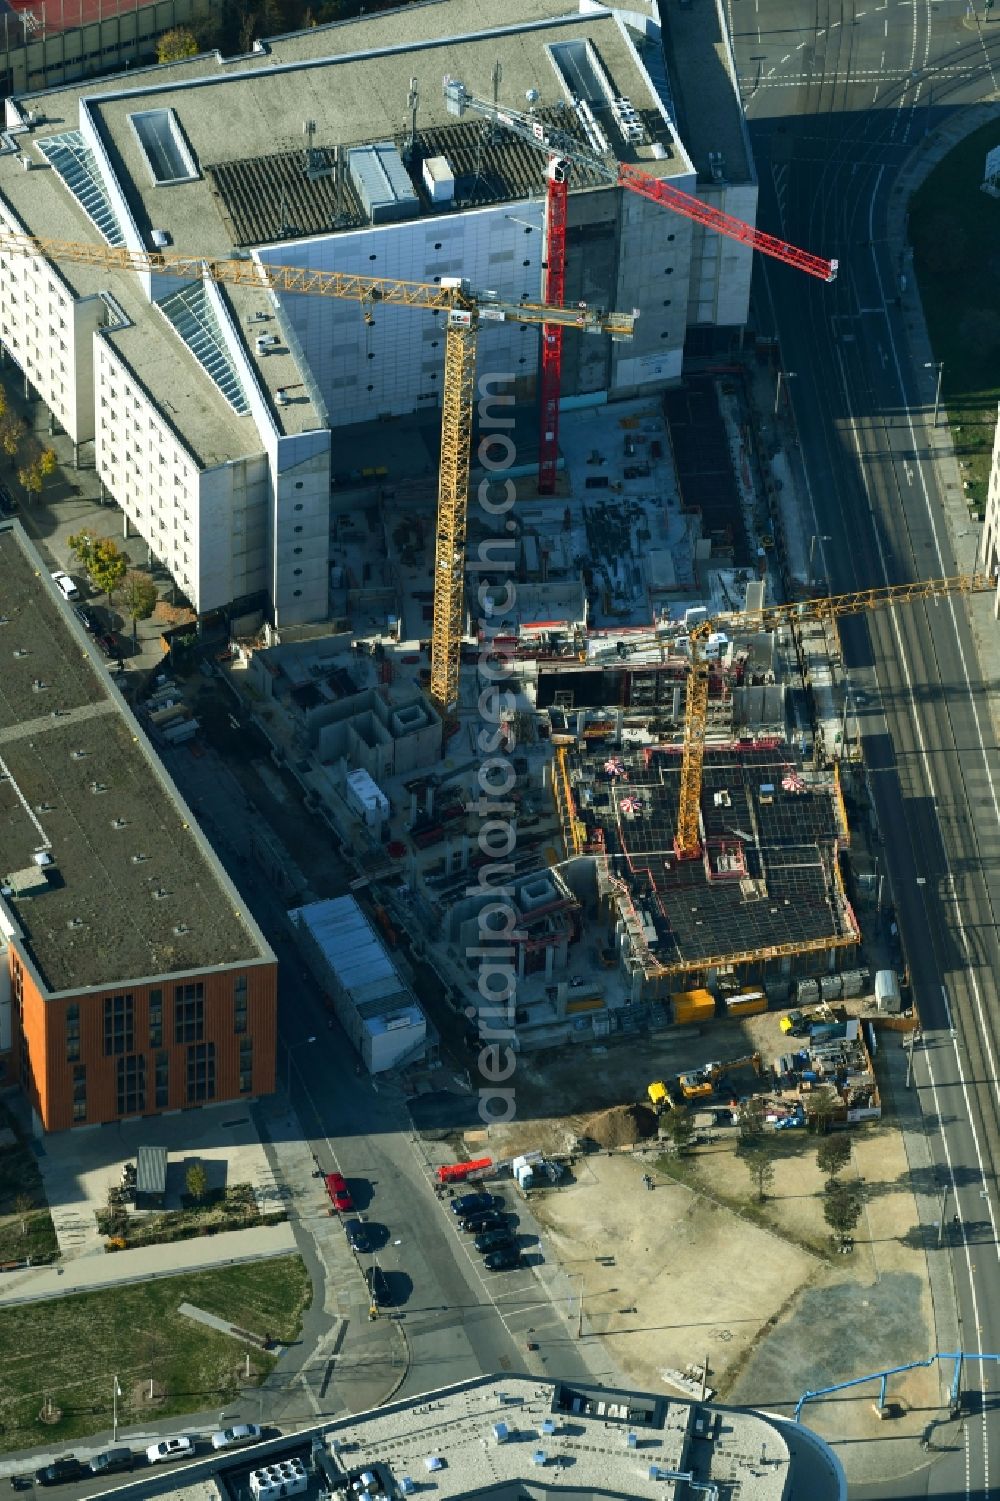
(164, 147)
(77, 166)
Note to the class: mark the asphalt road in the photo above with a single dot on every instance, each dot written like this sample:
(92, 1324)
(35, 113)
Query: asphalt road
(838, 94)
(459, 1320)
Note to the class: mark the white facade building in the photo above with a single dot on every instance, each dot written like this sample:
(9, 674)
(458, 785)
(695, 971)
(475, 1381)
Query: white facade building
(214, 410)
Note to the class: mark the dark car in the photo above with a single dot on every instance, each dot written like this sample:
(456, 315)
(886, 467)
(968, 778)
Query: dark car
(59, 1471)
(111, 1461)
(87, 619)
(358, 1236)
(493, 1240)
(8, 505)
(467, 1204)
(378, 1286)
(477, 1224)
(505, 1259)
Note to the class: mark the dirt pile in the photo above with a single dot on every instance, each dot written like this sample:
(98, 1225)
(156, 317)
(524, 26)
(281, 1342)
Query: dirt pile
(620, 1126)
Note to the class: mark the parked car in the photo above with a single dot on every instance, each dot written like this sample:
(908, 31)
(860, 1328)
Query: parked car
(378, 1286)
(65, 585)
(493, 1240)
(477, 1224)
(8, 505)
(178, 1447)
(358, 1236)
(59, 1471)
(112, 1461)
(340, 1198)
(87, 619)
(233, 1438)
(477, 1203)
(504, 1259)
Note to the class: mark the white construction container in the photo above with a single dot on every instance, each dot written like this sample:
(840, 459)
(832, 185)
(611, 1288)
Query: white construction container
(439, 179)
(366, 798)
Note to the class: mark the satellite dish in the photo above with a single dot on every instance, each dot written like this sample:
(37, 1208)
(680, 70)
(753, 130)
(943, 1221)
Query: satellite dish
(532, 96)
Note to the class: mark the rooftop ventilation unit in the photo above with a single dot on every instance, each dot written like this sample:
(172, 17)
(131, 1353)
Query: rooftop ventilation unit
(160, 238)
(717, 166)
(627, 118)
(439, 179)
(382, 182)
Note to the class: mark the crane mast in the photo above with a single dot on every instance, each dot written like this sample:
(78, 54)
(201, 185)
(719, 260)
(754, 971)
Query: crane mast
(687, 841)
(467, 311)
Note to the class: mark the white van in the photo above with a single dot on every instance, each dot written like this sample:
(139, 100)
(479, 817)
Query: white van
(65, 585)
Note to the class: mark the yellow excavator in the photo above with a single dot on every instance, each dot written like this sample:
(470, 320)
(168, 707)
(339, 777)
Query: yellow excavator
(698, 1083)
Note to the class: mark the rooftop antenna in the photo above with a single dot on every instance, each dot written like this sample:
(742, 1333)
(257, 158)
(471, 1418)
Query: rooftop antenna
(495, 133)
(309, 131)
(412, 100)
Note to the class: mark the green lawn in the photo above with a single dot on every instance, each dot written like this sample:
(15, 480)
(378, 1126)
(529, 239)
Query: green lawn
(955, 232)
(70, 1349)
(25, 1223)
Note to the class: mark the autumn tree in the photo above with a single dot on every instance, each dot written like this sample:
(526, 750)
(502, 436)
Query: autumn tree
(101, 558)
(12, 430)
(177, 44)
(138, 597)
(36, 466)
(196, 1179)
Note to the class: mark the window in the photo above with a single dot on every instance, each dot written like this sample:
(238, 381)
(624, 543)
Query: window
(119, 1025)
(162, 1080)
(240, 1003)
(189, 1012)
(200, 1072)
(80, 1092)
(73, 1033)
(246, 1065)
(131, 1084)
(156, 1018)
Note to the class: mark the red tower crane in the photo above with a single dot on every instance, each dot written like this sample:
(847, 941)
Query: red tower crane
(564, 150)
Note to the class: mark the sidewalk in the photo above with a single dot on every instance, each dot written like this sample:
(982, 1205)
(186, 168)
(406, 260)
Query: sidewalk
(118, 1268)
(70, 502)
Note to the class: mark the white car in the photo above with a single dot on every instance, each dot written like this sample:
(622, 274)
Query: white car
(232, 1438)
(65, 585)
(179, 1447)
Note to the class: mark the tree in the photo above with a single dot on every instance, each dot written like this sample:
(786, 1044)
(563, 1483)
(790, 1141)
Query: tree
(678, 1125)
(761, 1170)
(107, 565)
(38, 464)
(842, 1208)
(23, 1205)
(12, 430)
(752, 1125)
(81, 545)
(175, 45)
(138, 597)
(833, 1154)
(196, 1179)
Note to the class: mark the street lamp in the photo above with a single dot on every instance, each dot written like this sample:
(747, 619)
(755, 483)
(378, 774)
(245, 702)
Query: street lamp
(782, 375)
(290, 1048)
(116, 1392)
(937, 365)
(812, 552)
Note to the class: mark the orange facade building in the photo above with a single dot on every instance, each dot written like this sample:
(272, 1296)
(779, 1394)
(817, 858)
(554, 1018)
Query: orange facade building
(135, 981)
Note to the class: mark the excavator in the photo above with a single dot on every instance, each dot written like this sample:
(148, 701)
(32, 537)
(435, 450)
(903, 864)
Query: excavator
(665, 1094)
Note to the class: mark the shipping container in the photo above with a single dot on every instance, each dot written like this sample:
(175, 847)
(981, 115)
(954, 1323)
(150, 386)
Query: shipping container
(693, 1006)
(751, 1003)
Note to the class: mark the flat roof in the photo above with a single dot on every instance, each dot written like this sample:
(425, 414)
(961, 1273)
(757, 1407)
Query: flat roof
(133, 890)
(704, 90)
(351, 80)
(773, 854)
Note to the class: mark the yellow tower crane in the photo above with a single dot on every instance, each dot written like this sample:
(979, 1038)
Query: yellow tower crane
(466, 312)
(687, 841)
